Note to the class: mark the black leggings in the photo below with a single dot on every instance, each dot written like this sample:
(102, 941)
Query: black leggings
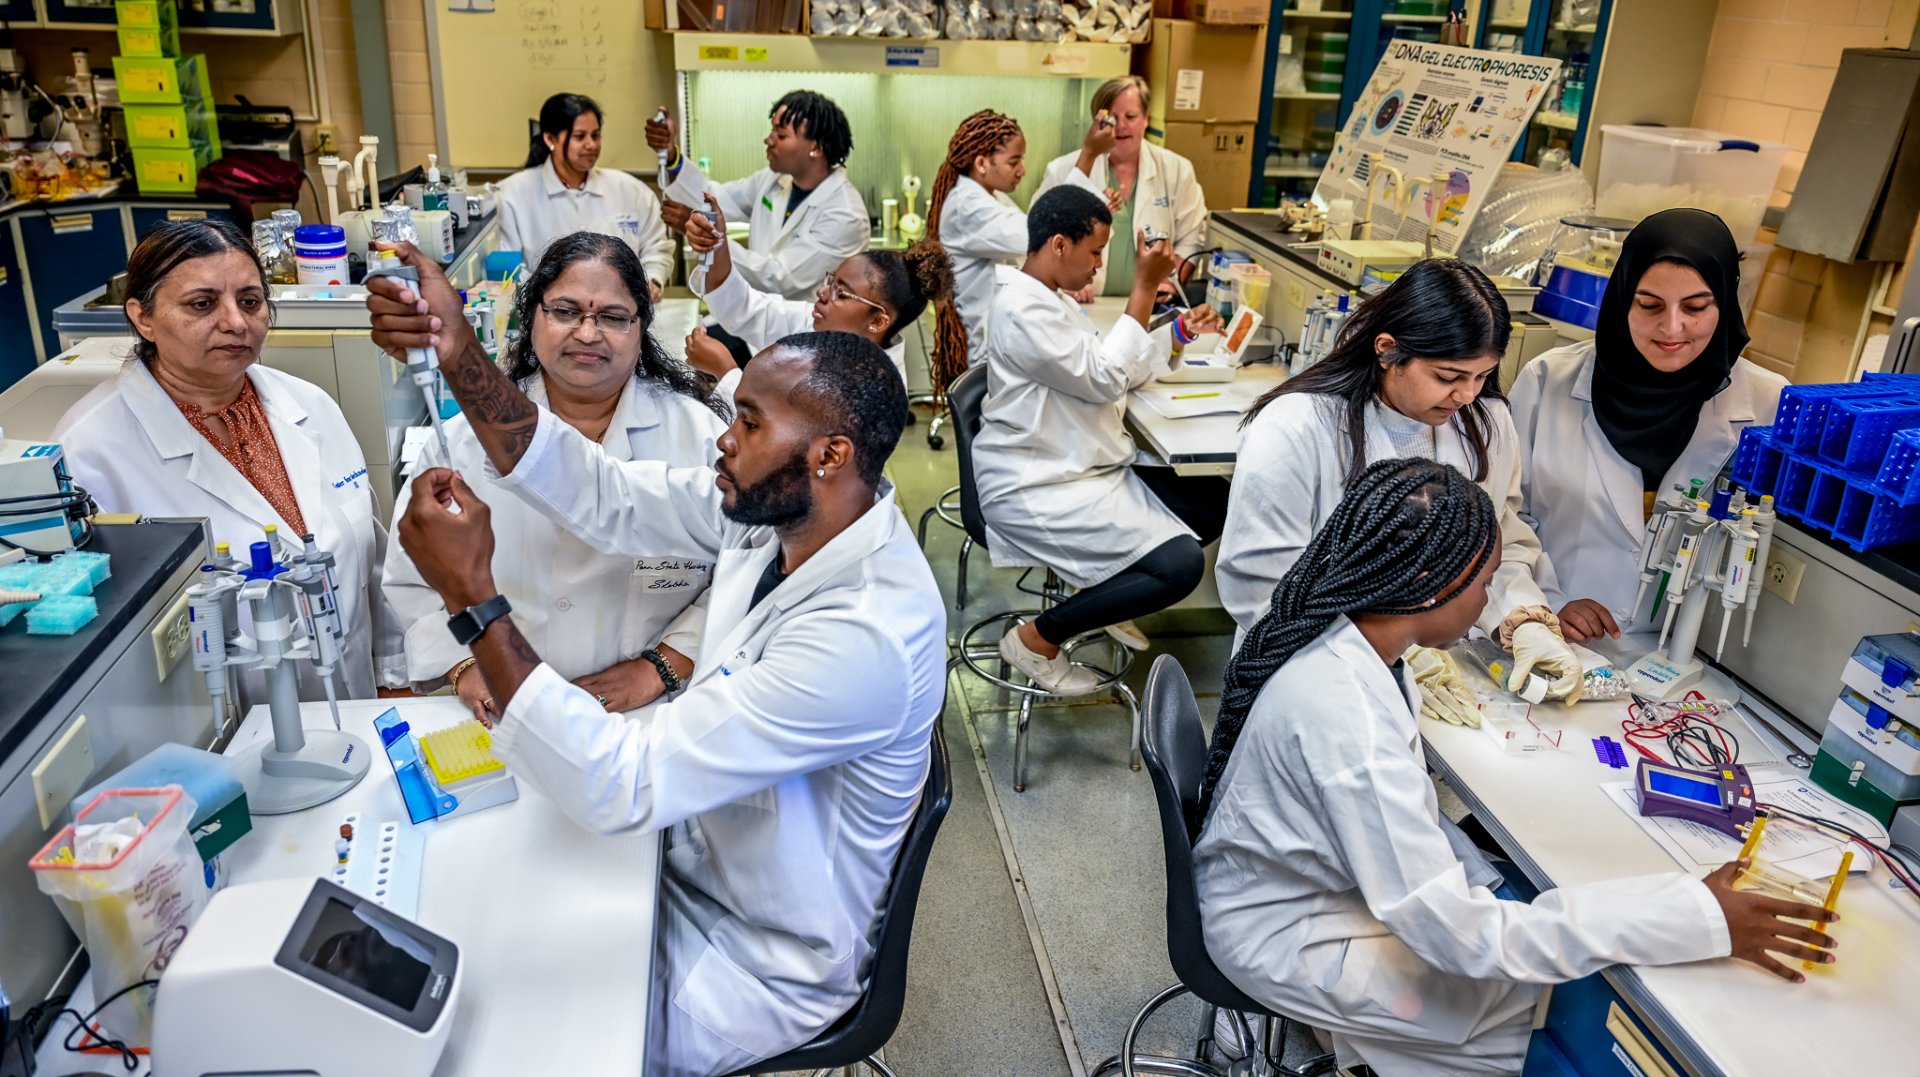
(1164, 575)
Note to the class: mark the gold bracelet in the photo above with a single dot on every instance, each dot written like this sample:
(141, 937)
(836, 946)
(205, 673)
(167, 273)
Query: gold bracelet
(460, 667)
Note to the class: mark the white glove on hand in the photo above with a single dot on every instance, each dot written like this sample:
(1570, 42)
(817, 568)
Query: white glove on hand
(1444, 696)
(1537, 649)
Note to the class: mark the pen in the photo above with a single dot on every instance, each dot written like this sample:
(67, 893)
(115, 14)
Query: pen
(1192, 396)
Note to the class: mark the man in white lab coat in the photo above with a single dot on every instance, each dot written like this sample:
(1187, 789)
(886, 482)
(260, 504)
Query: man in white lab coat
(788, 772)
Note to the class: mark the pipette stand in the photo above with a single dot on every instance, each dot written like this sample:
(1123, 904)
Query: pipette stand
(1673, 672)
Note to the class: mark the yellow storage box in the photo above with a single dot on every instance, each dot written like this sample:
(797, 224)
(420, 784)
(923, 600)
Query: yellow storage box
(160, 171)
(169, 127)
(162, 80)
(148, 28)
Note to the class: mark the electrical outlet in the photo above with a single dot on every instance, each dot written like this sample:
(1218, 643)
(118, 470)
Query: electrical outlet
(327, 138)
(172, 637)
(1783, 574)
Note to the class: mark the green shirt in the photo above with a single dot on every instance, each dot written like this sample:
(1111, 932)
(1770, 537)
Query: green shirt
(1121, 251)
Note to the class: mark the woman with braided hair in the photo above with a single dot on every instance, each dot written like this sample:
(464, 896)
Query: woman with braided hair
(1411, 374)
(980, 227)
(1328, 890)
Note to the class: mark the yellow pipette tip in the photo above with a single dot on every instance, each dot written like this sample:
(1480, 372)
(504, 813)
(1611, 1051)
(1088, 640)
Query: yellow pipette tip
(460, 752)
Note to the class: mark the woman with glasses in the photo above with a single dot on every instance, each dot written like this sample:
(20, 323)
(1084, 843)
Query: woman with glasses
(874, 294)
(626, 629)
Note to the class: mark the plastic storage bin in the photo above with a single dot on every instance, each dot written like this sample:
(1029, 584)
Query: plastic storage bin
(1644, 170)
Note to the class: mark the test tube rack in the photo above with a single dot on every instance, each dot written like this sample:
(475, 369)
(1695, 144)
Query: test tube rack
(382, 864)
(468, 778)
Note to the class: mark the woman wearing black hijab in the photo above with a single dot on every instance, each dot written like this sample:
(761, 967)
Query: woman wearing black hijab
(1658, 397)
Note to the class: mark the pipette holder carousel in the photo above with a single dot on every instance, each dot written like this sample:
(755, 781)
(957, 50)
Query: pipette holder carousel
(1690, 549)
(295, 618)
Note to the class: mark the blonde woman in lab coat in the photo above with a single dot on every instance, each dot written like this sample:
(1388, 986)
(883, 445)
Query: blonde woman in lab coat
(804, 216)
(1053, 463)
(980, 226)
(788, 773)
(1412, 374)
(1657, 398)
(195, 426)
(560, 191)
(617, 626)
(1329, 891)
(1147, 186)
(876, 294)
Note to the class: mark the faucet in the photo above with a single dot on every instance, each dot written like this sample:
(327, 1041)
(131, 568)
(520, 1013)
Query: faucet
(369, 155)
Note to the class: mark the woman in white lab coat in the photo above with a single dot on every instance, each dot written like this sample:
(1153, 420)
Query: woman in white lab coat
(560, 191)
(616, 626)
(1147, 186)
(981, 228)
(1657, 398)
(1328, 890)
(804, 217)
(195, 426)
(1053, 463)
(875, 294)
(1412, 374)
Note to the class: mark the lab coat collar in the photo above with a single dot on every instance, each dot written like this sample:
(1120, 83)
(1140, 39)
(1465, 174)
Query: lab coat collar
(551, 186)
(1346, 642)
(636, 410)
(173, 437)
(728, 618)
(1020, 280)
(828, 191)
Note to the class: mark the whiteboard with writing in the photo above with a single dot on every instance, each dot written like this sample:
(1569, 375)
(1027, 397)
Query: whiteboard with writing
(499, 59)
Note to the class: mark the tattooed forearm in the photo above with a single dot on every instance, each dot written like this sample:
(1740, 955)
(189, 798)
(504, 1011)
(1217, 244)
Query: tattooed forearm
(501, 415)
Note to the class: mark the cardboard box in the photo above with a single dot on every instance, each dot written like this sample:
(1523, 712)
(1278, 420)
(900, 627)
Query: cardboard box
(1222, 155)
(1204, 74)
(1216, 12)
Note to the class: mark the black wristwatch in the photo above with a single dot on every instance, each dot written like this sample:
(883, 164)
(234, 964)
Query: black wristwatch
(468, 624)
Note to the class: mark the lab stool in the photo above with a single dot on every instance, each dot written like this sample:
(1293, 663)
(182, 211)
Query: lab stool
(947, 507)
(979, 651)
(1175, 747)
(979, 646)
(857, 1037)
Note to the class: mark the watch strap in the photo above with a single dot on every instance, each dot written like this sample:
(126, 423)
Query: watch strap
(469, 624)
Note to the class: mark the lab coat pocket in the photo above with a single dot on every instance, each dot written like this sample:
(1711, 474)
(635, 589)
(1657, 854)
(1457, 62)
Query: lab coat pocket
(658, 590)
(732, 1004)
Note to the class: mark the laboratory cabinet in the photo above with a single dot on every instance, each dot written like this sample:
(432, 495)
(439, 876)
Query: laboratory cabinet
(16, 339)
(264, 18)
(67, 250)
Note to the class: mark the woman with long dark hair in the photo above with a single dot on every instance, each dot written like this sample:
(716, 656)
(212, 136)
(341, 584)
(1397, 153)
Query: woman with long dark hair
(562, 190)
(624, 628)
(1657, 398)
(1329, 891)
(1411, 374)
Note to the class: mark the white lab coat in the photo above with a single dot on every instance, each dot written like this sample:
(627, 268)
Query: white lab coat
(759, 319)
(128, 444)
(1166, 197)
(1329, 892)
(787, 773)
(1293, 473)
(1583, 498)
(1053, 462)
(982, 230)
(536, 209)
(581, 609)
(787, 256)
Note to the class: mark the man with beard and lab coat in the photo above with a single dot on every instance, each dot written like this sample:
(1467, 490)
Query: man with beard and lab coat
(789, 770)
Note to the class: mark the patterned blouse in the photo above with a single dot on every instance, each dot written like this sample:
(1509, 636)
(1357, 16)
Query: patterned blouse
(252, 450)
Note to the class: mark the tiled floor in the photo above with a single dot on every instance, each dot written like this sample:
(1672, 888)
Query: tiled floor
(1041, 928)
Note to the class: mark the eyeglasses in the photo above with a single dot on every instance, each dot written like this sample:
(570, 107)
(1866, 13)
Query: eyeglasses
(833, 291)
(571, 317)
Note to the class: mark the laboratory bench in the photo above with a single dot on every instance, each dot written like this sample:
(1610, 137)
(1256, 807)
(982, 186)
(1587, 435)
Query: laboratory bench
(555, 923)
(51, 252)
(1547, 810)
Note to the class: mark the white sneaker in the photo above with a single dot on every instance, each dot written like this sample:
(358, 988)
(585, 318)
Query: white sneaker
(1128, 635)
(1226, 1036)
(1055, 675)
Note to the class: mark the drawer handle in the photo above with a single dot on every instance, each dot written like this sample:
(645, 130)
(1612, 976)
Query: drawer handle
(1634, 1042)
(72, 222)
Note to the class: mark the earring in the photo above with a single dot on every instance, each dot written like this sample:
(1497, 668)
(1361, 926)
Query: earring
(821, 472)
(813, 153)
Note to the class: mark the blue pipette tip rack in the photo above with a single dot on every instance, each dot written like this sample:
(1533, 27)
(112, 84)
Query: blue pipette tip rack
(61, 615)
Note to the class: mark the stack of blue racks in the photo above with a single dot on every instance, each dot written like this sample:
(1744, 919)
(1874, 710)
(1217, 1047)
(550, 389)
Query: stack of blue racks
(1842, 459)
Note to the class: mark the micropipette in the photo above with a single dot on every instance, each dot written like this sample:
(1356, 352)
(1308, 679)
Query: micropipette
(1763, 520)
(1733, 591)
(1692, 533)
(423, 364)
(660, 116)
